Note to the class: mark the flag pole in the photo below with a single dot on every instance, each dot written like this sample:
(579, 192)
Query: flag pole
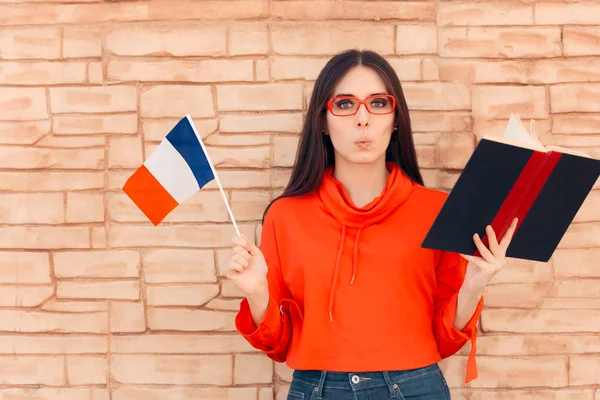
(212, 167)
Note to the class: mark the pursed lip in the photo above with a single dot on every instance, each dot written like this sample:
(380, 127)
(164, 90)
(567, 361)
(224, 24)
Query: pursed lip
(363, 141)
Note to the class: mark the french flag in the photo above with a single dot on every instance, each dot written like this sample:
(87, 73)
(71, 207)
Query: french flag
(176, 170)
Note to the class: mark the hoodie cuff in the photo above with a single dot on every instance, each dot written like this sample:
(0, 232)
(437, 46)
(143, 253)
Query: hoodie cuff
(265, 335)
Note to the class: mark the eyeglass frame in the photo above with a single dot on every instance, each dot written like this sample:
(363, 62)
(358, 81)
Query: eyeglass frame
(329, 104)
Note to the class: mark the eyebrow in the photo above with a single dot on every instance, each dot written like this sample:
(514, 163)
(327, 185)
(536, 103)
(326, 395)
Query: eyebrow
(347, 94)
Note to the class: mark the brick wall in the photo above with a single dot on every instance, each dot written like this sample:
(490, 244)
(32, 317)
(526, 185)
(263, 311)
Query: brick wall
(97, 304)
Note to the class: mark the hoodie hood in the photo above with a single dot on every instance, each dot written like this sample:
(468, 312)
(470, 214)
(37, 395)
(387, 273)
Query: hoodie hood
(337, 202)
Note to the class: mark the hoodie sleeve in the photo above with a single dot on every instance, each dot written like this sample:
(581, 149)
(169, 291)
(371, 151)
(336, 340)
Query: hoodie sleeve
(273, 334)
(450, 273)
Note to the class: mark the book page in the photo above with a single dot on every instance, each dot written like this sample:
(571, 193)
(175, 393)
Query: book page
(515, 130)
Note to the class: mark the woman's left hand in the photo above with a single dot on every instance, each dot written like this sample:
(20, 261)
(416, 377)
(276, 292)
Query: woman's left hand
(481, 270)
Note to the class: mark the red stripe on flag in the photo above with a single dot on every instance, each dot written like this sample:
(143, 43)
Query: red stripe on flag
(523, 193)
(149, 195)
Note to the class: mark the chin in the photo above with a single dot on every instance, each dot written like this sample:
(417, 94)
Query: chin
(364, 158)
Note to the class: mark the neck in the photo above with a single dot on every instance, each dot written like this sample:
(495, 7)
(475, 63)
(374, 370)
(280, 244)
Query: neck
(363, 182)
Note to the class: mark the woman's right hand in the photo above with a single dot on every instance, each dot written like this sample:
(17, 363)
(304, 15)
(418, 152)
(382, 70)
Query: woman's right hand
(247, 267)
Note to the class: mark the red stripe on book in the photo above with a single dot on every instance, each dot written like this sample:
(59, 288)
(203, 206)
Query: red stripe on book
(523, 194)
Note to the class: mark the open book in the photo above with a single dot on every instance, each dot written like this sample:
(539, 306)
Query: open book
(515, 176)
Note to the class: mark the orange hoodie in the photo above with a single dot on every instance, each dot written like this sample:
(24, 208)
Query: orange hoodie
(350, 287)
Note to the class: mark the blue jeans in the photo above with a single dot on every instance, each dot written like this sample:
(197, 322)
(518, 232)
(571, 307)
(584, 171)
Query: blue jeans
(425, 383)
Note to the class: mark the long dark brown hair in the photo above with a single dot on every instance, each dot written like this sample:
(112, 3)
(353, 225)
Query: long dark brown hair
(315, 151)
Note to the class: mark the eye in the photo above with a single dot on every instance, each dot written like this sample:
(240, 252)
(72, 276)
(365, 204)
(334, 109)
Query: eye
(344, 103)
(380, 102)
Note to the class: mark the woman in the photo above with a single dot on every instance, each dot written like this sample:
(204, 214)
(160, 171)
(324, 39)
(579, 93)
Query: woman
(340, 288)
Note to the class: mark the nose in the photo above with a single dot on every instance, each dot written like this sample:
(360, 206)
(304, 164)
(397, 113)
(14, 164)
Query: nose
(362, 116)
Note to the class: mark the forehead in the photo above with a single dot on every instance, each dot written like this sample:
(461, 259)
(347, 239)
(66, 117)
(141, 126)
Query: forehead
(360, 81)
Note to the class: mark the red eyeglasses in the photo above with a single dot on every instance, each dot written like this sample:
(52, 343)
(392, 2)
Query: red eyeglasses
(345, 106)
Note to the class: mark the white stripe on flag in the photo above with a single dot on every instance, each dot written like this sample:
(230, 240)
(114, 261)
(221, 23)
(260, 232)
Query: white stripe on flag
(172, 172)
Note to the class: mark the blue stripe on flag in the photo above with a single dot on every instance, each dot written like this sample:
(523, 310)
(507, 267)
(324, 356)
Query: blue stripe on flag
(185, 141)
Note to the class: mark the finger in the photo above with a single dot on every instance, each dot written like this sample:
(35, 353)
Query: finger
(240, 251)
(243, 242)
(493, 241)
(478, 262)
(250, 246)
(240, 260)
(506, 239)
(234, 268)
(485, 253)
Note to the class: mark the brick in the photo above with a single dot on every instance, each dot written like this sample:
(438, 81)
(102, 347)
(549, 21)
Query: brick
(23, 132)
(125, 152)
(576, 263)
(95, 73)
(305, 38)
(160, 319)
(228, 289)
(427, 156)
(570, 304)
(23, 104)
(33, 322)
(32, 370)
(100, 99)
(204, 71)
(117, 290)
(455, 149)
(74, 306)
(496, 127)
(531, 344)
(431, 71)
(581, 235)
(532, 394)
(24, 268)
(518, 295)
(85, 207)
(97, 264)
(437, 96)
(252, 368)
(541, 371)
(33, 158)
(50, 181)
(206, 236)
(32, 208)
(194, 100)
(23, 43)
(265, 393)
(275, 96)
(127, 317)
(44, 344)
(240, 157)
(585, 288)
(179, 266)
(98, 237)
(52, 394)
(554, 13)
(575, 98)
(158, 129)
(499, 101)
(297, 67)
(466, 13)
(249, 205)
(237, 140)
(243, 179)
(208, 10)
(432, 121)
(500, 42)
(71, 142)
(223, 305)
(248, 38)
(284, 150)
(407, 69)
(262, 70)
(91, 124)
(25, 296)
(180, 344)
(284, 372)
(43, 73)
(172, 370)
(580, 124)
(208, 393)
(167, 40)
(581, 41)
(582, 369)
(362, 10)
(44, 237)
(416, 39)
(552, 321)
(197, 295)
(83, 370)
(81, 42)
(284, 122)
(524, 271)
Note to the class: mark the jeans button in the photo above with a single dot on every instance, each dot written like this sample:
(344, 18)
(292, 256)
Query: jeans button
(355, 379)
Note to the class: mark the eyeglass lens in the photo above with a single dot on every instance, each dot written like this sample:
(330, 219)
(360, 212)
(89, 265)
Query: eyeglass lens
(375, 105)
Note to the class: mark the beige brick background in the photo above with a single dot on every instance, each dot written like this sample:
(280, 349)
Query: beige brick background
(97, 304)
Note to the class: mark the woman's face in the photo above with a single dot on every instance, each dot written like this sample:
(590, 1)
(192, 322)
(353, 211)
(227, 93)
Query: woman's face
(364, 137)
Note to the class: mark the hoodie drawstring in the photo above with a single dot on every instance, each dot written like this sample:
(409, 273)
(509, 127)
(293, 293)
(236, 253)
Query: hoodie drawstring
(336, 270)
